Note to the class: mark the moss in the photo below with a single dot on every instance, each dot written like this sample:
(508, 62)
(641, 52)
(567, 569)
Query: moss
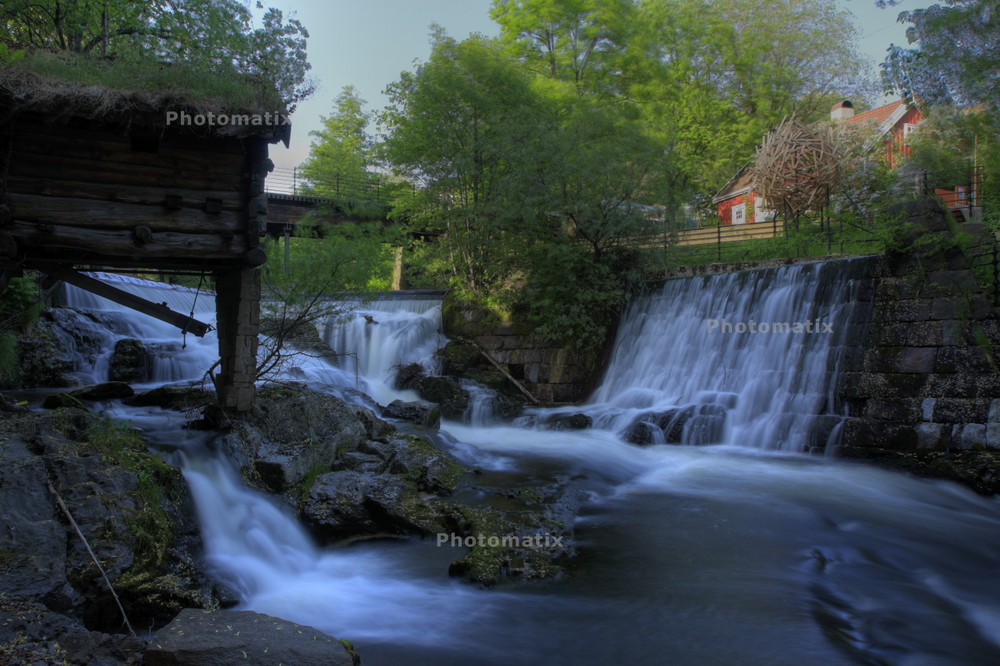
(151, 526)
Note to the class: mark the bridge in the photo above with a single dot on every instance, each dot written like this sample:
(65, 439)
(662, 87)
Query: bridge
(343, 198)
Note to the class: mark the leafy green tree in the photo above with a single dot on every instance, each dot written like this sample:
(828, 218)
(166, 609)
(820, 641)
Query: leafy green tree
(342, 151)
(301, 294)
(578, 41)
(953, 54)
(466, 126)
(216, 35)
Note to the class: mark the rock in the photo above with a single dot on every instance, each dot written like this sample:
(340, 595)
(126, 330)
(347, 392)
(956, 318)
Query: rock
(347, 504)
(57, 400)
(30, 633)
(43, 362)
(133, 509)
(128, 362)
(642, 433)
(291, 434)
(406, 375)
(171, 397)
(231, 638)
(446, 392)
(576, 421)
(381, 490)
(420, 412)
(105, 391)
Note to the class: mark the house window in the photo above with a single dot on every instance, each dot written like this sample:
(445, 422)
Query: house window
(908, 129)
(960, 195)
(762, 212)
(740, 213)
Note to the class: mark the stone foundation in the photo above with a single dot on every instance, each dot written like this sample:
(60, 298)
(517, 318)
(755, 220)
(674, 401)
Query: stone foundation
(924, 375)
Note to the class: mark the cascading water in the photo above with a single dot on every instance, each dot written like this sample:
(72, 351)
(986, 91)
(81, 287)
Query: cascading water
(380, 336)
(745, 358)
(689, 555)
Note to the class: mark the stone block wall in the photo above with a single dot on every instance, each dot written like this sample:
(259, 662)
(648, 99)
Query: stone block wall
(552, 373)
(924, 379)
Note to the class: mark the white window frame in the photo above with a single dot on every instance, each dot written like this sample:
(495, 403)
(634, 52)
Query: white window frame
(739, 214)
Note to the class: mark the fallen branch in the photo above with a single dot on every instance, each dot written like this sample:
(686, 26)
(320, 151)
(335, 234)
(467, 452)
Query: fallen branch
(503, 370)
(86, 544)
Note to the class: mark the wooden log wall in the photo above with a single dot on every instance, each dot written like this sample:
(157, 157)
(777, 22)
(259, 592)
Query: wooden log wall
(87, 194)
(99, 196)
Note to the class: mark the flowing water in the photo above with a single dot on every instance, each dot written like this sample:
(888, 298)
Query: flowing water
(743, 552)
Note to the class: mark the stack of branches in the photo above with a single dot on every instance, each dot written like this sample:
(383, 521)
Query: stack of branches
(797, 166)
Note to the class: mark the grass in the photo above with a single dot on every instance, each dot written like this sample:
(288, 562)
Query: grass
(228, 90)
(809, 240)
(151, 526)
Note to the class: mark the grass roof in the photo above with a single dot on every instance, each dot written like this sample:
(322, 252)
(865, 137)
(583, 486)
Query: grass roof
(134, 92)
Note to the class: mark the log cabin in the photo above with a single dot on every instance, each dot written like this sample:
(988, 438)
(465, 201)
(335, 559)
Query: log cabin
(91, 177)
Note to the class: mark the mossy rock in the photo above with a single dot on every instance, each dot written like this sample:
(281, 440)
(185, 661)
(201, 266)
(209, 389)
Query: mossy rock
(57, 400)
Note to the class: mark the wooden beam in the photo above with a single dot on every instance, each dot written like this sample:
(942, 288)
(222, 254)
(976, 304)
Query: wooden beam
(156, 310)
(112, 244)
(92, 213)
(129, 194)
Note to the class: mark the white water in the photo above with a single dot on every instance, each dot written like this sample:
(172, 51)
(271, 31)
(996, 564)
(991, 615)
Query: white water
(689, 555)
(382, 335)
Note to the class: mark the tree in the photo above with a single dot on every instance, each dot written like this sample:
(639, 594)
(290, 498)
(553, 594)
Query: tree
(342, 151)
(578, 41)
(953, 55)
(308, 290)
(214, 35)
(724, 72)
(466, 125)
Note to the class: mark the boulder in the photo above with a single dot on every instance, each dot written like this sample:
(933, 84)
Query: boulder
(172, 397)
(291, 434)
(105, 391)
(30, 633)
(420, 412)
(133, 509)
(128, 363)
(237, 638)
(642, 433)
(446, 392)
(578, 421)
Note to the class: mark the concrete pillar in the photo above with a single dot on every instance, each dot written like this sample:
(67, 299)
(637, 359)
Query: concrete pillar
(237, 305)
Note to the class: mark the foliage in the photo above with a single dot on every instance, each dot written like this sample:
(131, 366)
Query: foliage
(722, 73)
(953, 54)
(307, 289)
(953, 141)
(150, 524)
(111, 39)
(10, 356)
(342, 149)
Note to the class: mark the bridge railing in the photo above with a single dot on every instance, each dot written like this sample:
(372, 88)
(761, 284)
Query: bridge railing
(371, 188)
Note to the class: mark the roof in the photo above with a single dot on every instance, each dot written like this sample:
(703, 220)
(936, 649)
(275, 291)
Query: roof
(57, 101)
(878, 115)
(738, 184)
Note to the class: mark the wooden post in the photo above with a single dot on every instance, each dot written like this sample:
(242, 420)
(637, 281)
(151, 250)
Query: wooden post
(237, 304)
(397, 270)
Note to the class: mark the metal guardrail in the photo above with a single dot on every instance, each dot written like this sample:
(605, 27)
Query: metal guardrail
(371, 188)
(959, 190)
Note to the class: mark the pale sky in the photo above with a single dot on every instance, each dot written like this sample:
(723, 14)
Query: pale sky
(367, 43)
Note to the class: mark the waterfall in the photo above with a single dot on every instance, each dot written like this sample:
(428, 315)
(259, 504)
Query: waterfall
(746, 358)
(90, 326)
(379, 336)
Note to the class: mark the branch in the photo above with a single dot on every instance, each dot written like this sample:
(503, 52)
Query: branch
(86, 544)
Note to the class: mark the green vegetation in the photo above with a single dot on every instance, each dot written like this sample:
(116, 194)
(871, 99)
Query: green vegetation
(150, 524)
(215, 49)
(299, 278)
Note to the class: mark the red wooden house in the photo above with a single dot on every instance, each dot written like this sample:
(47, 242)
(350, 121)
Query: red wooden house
(738, 203)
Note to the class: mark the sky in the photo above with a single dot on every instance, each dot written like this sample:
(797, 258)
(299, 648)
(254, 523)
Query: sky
(368, 43)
